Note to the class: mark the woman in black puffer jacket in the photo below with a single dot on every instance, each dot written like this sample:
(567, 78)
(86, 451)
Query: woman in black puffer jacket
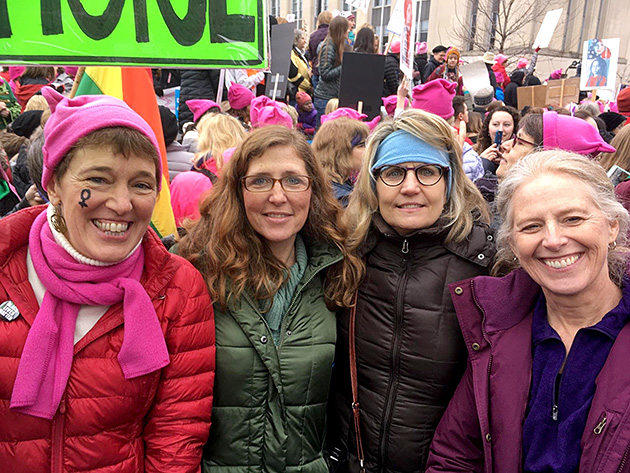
(420, 224)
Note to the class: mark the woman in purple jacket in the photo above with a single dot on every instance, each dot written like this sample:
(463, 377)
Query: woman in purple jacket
(547, 386)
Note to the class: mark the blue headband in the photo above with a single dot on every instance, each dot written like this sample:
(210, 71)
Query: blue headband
(403, 147)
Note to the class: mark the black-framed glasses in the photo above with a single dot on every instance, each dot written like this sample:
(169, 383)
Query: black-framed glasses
(520, 141)
(427, 174)
(295, 183)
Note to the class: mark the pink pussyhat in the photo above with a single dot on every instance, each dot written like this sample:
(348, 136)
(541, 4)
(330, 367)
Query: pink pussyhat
(421, 48)
(352, 114)
(557, 74)
(499, 77)
(522, 63)
(572, 134)
(274, 115)
(500, 58)
(199, 107)
(73, 119)
(257, 104)
(16, 71)
(239, 96)
(390, 104)
(435, 97)
(71, 70)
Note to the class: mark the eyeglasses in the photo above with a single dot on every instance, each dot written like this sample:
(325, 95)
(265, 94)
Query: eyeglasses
(520, 141)
(360, 144)
(427, 174)
(266, 183)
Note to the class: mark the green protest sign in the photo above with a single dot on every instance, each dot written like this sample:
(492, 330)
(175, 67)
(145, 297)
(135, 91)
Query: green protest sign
(157, 33)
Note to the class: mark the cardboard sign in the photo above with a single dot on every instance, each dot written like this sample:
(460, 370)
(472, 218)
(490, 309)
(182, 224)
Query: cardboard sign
(562, 92)
(534, 96)
(475, 76)
(599, 64)
(202, 33)
(547, 28)
(281, 45)
(407, 49)
(362, 80)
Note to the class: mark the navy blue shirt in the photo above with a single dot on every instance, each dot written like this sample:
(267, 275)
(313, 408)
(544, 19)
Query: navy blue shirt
(559, 404)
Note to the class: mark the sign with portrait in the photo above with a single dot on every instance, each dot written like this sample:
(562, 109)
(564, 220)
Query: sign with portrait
(159, 33)
(599, 64)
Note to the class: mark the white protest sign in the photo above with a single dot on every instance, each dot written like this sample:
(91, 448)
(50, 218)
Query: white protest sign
(475, 76)
(599, 64)
(360, 5)
(397, 20)
(547, 28)
(290, 17)
(407, 39)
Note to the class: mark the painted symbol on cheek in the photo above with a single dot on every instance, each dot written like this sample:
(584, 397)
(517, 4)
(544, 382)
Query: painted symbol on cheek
(85, 195)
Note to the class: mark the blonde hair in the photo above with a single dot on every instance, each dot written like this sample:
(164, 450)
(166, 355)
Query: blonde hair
(621, 157)
(292, 113)
(217, 133)
(560, 162)
(465, 204)
(332, 105)
(37, 102)
(234, 259)
(332, 146)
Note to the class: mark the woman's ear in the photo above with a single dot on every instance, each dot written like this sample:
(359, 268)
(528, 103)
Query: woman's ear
(53, 191)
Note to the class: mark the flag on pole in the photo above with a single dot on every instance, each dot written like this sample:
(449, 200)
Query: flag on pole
(135, 87)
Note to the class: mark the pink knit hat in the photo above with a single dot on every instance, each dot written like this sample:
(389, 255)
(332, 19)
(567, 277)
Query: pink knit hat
(395, 47)
(16, 71)
(256, 105)
(239, 96)
(350, 113)
(499, 77)
(200, 106)
(390, 104)
(572, 134)
(500, 58)
(557, 74)
(72, 119)
(522, 63)
(435, 97)
(421, 48)
(274, 115)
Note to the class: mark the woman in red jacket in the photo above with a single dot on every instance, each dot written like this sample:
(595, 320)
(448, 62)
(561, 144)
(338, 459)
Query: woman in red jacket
(106, 340)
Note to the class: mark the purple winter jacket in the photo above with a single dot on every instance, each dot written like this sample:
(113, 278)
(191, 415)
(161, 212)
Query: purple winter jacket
(481, 430)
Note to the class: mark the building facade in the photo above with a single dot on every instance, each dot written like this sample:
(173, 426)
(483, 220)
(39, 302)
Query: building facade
(476, 26)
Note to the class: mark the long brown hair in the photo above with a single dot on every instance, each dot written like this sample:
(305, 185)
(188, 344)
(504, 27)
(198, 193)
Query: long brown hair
(230, 254)
(621, 157)
(484, 140)
(336, 37)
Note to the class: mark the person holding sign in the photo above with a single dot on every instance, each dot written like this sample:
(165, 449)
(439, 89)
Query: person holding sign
(107, 340)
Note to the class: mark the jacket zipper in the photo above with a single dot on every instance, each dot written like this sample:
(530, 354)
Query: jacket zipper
(392, 389)
(623, 459)
(57, 438)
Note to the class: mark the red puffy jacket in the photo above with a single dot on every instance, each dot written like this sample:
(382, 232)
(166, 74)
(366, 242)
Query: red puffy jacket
(154, 423)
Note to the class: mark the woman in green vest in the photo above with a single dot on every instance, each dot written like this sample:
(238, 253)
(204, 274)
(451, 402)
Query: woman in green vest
(272, 248)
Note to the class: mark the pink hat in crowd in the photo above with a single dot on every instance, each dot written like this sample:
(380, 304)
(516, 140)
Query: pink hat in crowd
(500, 58)
(350, 113)
(557, 74)
(71, 70)
(273, 115)
(239, 96)
(390, 104)
(613, 107)
(16, 71)
(72, 119)
(257, 104)
(572, 134)
(395, 46)
(522, 63)
(435, 97)
(421, 48)
(200, 106)
(499, 77)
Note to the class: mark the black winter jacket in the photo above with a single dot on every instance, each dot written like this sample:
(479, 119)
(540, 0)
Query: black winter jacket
(410, 351)
(432, 65)
(392, 74)
(197, 84)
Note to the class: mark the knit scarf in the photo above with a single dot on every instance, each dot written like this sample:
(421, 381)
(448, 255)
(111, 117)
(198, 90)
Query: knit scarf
(47, 356)
(284, 296)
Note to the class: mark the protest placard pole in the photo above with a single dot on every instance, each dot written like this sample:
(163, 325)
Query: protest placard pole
(275, 85)
(221, 84)
(561, 92)
(77, 81)
(360, 106)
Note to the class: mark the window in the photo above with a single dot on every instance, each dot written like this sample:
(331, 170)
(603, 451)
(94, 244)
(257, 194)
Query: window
(296, 9)
(472, 26)
(422, 16)
(380, 18)
(492, 31)
(274, 8)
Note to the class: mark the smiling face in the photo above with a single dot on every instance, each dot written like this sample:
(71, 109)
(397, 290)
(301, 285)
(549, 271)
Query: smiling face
(122, 192)
(276, 215)
(501, 121)
(452, 61)
(439, 57)
(561, 237)
(411, 206)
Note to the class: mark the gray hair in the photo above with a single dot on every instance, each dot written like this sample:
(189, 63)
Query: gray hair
(591, 108)
(574, 165)
(297, 34)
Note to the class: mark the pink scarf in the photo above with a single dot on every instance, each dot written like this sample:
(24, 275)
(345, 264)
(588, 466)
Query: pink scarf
(47, 356)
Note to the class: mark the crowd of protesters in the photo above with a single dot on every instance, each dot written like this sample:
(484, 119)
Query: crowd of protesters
(441, 288)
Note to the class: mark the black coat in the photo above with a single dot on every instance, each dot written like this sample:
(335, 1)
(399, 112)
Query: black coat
(392, 74)
(410, 351)
(510, 93)
(196, 84)
(432, 65)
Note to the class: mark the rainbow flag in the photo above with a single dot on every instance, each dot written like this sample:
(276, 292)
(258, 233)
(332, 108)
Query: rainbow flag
(135, 87)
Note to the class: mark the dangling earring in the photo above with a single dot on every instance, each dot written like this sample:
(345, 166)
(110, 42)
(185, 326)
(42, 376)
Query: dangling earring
(58, 222)
(612, 246)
